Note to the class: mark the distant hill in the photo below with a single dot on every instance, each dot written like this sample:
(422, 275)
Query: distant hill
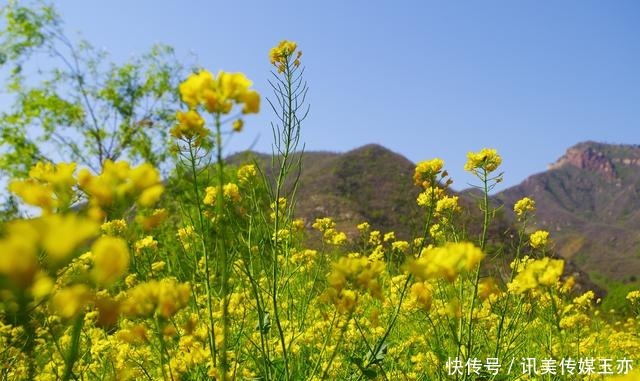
(589, 199)
(370, 183)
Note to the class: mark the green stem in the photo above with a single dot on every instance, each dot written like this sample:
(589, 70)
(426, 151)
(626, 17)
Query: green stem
(23, 319)
(224, 256)
(506, 302)
(164, 353)
(259, 300)
(203, 236)
(483, 240)
(288, 126)
(335, 350)
(75, 347)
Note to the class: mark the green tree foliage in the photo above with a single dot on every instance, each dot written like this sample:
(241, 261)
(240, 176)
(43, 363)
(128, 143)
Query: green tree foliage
(70, 103)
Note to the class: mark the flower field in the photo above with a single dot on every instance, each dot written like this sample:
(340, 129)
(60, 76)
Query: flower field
(209, 274)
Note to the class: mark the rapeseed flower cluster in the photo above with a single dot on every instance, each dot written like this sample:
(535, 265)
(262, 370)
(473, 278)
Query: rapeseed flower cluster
(246, 173)
(350, 275)
(218, 94)
(281, 55)
(330, 235)
(445, 262)
(230, 191)
(633, 296)
(426, 172)
(538, 239)
(544, 272)
(164, 298)
(110, 257)
(447, 205)
(120, 182)
(190, 126)
(523, 207)
(49, 186)
(486, 159)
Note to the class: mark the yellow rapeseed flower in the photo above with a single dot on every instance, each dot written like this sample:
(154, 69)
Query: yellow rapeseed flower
(538, 239)
(337, 238)
(42, 286)
(158, 266)
(110, 259)
(114, 227)
(237, 125)
(447, 204)
(540, 272)
(281, 54)
(426, 171)
(18, 260)
(445, 262)
(191, 89)
(219, 94)
(487, 287)
(402, 246)
(190, 126)
(164, 297)
(70, 301)
(48, 187)
(151, 221)
(119, 180)
(186, 236)
(145, 243)
(246, 173)
(524, 206)
(323, 224)
(430, 197)
(363, 227)
(486, 159)
(62, 234)
(297, 224)
(360, 273)
(35, 194)
(633, 296)
(61, 175)
(390, 236)
(230, 191)
(422, 293)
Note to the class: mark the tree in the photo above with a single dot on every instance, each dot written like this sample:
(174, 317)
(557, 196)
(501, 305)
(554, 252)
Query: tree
(71, 104)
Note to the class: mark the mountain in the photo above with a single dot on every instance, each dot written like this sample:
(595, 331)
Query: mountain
(589, 200)
(370, 183)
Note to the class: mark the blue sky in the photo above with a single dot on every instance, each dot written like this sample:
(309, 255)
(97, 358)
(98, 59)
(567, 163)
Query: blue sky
(423, 78)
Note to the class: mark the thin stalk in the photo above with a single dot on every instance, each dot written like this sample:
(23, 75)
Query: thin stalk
(203, 237)
(483, 240)
(24, 320)
(259, 301)
(335, 350)
(164, 353)
(224, 362)
(75, 347)
(506, 302)
(288, 117)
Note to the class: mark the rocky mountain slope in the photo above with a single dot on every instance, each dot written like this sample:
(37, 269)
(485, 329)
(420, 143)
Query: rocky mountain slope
(589, 199)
